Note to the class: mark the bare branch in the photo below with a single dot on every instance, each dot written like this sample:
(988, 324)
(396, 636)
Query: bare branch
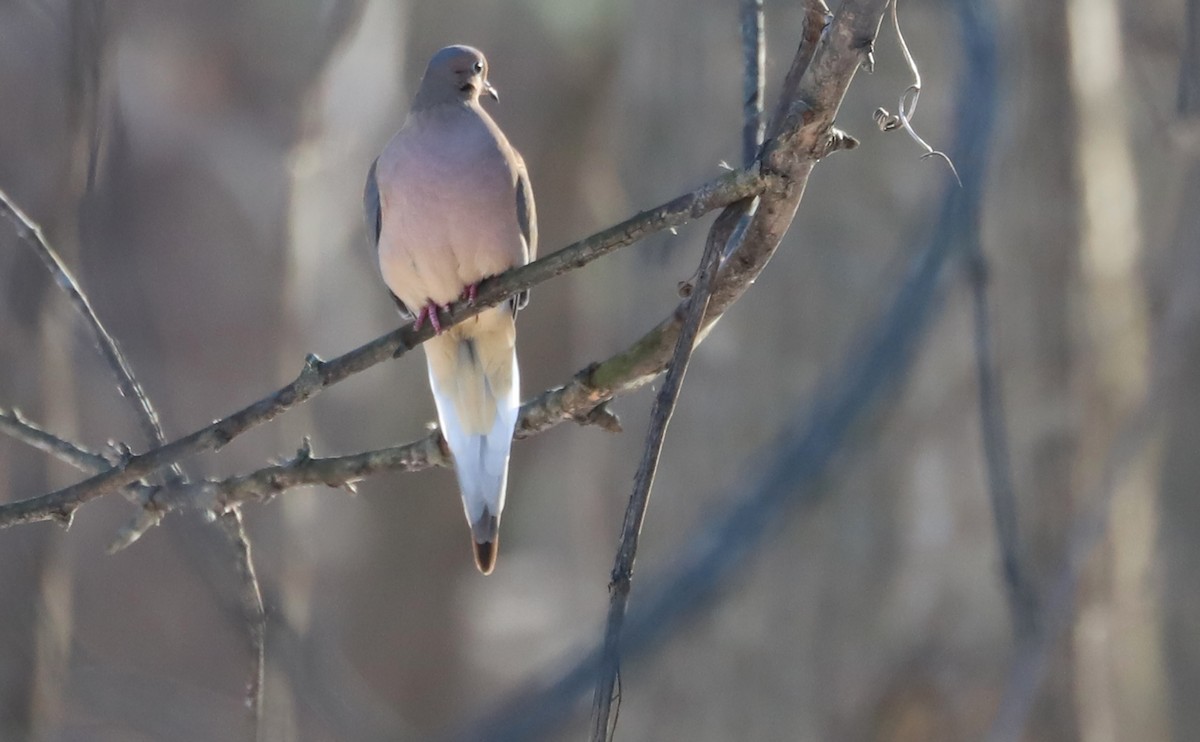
(250, 597)
(603, 721)
(16, 426)
(1022, 594)
(318, 375)
(147, 516)
(129, 387)
(754, 83)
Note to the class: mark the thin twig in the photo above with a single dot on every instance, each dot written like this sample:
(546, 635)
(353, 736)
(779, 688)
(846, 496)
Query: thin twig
(754, 80)
(17, 427)
(127, 384)
(13, 424)
(907, 107)
(754, 83)
(251, 601)
(317, 375)
(603, 722)
(1022, 595)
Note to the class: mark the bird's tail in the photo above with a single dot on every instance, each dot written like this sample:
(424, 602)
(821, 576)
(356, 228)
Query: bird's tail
(473, 373)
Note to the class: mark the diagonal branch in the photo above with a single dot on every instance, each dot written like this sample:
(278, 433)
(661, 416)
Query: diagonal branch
(787, 476)
(13, 424)
(317, 375)
(635, 514)
(127, 384)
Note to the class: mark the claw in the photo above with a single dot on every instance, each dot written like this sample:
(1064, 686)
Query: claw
(421, 317)
(432, 310)
(470, 292)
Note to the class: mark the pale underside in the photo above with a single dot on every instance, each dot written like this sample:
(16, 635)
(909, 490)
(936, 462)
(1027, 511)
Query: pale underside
(447, 189)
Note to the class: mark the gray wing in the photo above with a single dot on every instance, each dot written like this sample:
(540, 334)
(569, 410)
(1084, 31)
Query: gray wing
(374, 217)
(371, 205)
(527, 219)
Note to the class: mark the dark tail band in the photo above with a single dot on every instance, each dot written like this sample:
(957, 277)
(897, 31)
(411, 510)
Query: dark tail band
(485, 534)
(485, 556)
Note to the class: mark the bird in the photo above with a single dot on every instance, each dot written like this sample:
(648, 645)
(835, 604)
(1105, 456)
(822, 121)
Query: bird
(449, 203)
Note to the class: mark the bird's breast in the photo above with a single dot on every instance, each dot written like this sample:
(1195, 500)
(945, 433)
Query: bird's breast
(448, 218)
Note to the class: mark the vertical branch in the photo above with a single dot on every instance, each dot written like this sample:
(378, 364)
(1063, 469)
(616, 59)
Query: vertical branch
(1022, 596)
(754, 51)
(603, 720)
(978, 37)
(250, 597)
(722, 239)
(1188, 101)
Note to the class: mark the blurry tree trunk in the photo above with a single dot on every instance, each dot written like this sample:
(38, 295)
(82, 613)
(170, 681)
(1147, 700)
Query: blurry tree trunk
(24, 554)
(1180, 471)
(37, 369)
(1119, 670)
(1178, 350)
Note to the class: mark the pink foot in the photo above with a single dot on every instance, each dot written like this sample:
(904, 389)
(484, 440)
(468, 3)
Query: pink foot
(470, 292)
(432, 310)
(421, 317)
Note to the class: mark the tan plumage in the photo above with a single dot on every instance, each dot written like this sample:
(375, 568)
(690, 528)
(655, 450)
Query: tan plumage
(450, 204)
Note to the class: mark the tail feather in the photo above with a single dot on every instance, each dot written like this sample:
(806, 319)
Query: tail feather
(473, 372)
(485, 535)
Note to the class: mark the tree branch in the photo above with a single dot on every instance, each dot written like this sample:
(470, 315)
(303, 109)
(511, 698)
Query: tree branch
(635, 513)
(581, 400)
(251, 602)
(148, 420)
(787, 476)
(318, 375)
(13, 424)
(29, 233)
(754, 82)
(1020, 590)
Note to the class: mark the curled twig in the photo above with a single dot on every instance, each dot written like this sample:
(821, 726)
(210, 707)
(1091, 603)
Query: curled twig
(907, 106)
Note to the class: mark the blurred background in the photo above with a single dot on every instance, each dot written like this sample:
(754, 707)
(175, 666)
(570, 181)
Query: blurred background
(200, 166)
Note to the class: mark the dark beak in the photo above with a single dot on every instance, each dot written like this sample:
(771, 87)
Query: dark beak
(491, 91)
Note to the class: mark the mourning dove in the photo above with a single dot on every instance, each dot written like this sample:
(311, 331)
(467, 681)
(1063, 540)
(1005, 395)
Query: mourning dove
(449, 203)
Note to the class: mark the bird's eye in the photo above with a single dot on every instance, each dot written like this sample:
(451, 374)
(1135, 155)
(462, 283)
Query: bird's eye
(478, 67)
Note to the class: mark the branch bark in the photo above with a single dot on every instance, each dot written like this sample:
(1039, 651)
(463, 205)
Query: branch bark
(317, 375)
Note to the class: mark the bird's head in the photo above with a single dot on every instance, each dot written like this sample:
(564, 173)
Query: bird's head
(455, 74)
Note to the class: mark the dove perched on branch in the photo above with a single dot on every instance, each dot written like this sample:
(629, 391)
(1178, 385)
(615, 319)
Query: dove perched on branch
(448, 203)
